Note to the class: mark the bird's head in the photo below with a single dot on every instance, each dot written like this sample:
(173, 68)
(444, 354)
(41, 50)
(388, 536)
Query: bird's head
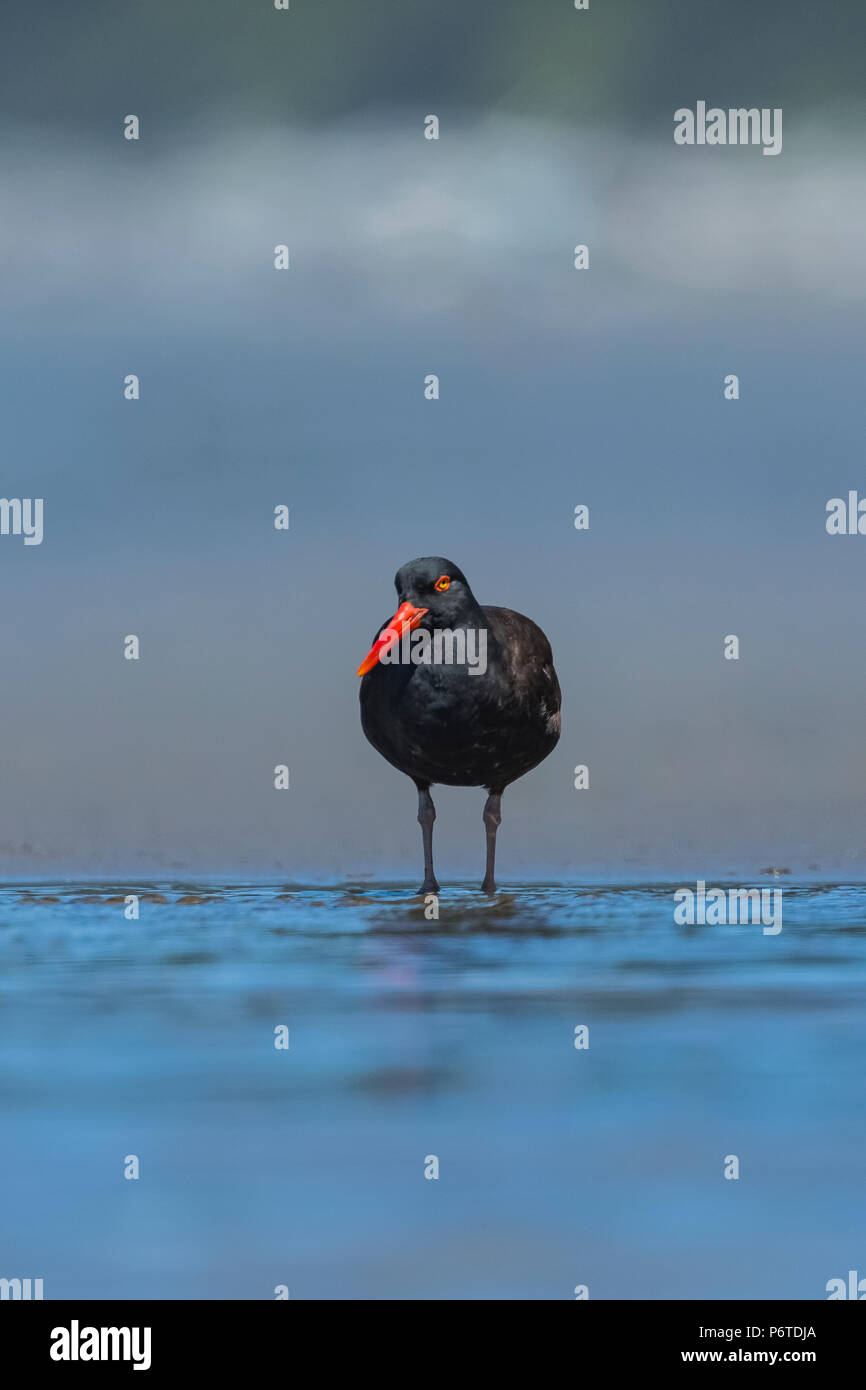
(437, 585)
(433, 593)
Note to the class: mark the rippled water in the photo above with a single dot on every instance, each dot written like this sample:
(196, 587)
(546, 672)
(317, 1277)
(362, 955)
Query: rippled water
(412, 1038)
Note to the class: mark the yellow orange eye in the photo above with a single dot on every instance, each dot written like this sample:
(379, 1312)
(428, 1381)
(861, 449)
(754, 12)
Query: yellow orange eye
(442, 583)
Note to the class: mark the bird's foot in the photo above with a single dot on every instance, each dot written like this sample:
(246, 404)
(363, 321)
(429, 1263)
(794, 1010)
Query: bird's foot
(488, 887)
(429, 886)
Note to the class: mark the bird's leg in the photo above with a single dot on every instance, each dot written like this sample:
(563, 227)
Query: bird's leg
(491, 818)
(426, 817)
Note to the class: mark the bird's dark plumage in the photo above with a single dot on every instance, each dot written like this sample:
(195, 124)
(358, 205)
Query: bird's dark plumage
(438, 722)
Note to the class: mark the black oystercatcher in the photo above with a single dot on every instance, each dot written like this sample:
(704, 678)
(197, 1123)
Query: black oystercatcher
(457, 693)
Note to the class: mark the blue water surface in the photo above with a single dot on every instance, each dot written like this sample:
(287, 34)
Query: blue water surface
(412, 1038)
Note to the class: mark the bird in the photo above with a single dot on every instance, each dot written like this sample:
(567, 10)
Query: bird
(482, 721)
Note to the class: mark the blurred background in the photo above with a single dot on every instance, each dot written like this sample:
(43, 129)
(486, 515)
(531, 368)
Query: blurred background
(154, 1035)
(411, 257)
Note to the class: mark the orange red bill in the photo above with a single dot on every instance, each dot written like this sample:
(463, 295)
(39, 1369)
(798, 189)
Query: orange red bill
(406, 619)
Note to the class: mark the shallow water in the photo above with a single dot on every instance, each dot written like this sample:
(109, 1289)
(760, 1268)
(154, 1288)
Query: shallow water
(411, 1038)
